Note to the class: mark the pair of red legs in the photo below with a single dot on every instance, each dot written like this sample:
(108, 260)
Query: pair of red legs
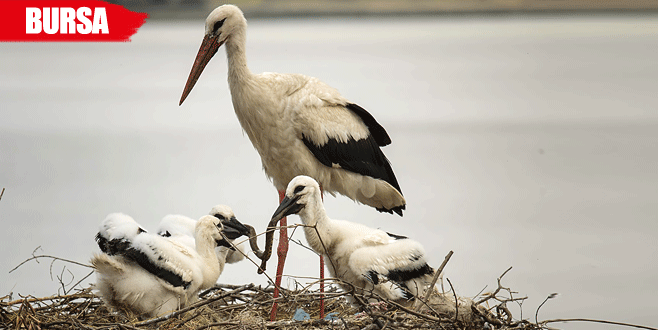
(281, 252)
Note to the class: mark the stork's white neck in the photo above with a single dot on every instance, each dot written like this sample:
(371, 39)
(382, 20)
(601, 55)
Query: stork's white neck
(238, 72)
(205, 246)
(314, 214)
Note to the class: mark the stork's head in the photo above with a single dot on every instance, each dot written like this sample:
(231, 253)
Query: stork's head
(232, 228)
(301, 192)
(222, 22)
(209, 225)
(176, 225)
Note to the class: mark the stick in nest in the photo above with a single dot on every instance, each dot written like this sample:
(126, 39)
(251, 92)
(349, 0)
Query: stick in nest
(434, 279)
(36, 257)
(542, 323)
(493, 294)
(550, 296)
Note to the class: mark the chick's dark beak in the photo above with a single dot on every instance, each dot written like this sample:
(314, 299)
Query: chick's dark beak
(232, 229)
(288, 206)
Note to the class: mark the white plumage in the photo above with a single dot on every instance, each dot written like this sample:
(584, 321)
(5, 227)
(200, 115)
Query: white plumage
(181, 228)
(392, 266)
(299, 125)
(178, 228)
(150, 274)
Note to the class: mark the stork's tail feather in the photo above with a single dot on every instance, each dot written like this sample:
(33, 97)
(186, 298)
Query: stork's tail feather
(398, 210)
(105, 264)
(376, 193)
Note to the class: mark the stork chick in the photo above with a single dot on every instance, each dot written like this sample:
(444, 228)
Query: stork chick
(181, 228)
(152, 275)
(392, 266)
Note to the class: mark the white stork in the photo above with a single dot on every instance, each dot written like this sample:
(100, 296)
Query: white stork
(300, 126)
(152, 275)
(392, 266)
(181, 228)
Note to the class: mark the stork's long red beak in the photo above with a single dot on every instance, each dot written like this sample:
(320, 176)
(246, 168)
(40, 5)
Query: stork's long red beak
(208, 49)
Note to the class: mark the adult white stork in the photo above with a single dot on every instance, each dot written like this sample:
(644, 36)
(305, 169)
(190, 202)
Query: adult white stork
(392, 266)
(300, 126)
(152, 275)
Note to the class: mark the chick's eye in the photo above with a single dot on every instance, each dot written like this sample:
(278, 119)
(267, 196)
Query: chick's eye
(217, 25)
(220, 217)
(298, 189)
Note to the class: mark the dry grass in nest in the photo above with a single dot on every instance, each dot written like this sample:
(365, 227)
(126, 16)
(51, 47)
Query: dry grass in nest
(248, 307)
(226, 307)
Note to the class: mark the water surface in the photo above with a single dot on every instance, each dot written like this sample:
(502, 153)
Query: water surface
(519, 141)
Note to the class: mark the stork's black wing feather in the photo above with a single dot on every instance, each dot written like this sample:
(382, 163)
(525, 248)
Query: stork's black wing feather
(362, 156)
(124, 247)
(358, 156)
(396, 236)
(378, 132)
(145, 262)
(114, 246)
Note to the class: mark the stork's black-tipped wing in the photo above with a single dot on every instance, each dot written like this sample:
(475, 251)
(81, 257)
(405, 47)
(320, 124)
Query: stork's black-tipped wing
(359, 156)
(145, 255)
(348, 137)
(116, 231)
(120, 235)
(396, 236)
(377, 131)
(154, 266)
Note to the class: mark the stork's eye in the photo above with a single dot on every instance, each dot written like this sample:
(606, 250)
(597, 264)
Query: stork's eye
(299, 189)
(217, 25)
(219, 216)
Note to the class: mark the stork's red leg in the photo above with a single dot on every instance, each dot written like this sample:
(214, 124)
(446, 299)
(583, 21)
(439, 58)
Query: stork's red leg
(281, 253)
(322, 272)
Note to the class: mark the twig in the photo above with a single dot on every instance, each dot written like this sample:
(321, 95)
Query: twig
(52, 257)
(2, 193)
(479, 293)
(456, 300)
(296, 324)
(253, 262)
(434, 279)
(197, 314)
(323, 246)
(550, 296)
(61, 279)
(202, 303)
(486, 315)
(76, 295)
(366, 308)
(598, 321)
(413, 312)
(493, 294)
(502, 307)
(299, 242)
(74, 285)
(218, 324)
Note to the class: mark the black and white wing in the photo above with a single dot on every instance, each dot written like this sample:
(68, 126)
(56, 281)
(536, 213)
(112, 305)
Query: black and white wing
(395, 265)
(116, 232)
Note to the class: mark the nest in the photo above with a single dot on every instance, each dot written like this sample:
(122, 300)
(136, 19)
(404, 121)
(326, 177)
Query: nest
(248, 307)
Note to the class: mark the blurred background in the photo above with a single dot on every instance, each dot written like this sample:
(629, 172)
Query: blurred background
(524, 134)
(304, 8)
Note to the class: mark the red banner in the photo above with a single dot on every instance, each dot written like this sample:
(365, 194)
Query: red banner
(67, 20)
